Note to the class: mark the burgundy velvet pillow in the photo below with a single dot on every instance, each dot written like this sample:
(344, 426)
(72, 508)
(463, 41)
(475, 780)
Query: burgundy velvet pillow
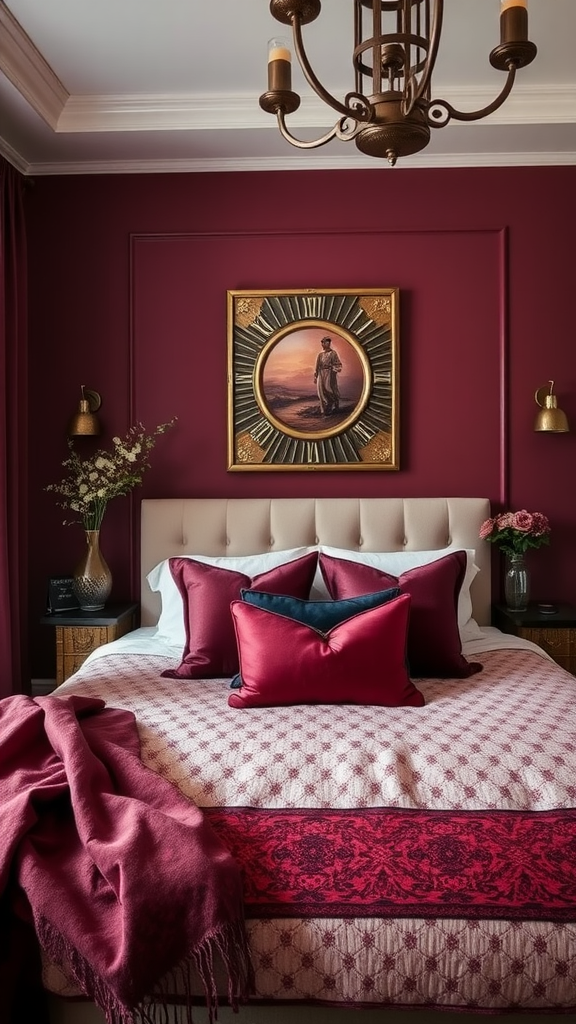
(207, 591)
(359, 661)
(434, 645)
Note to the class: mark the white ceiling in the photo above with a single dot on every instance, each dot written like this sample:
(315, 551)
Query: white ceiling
(173, 85)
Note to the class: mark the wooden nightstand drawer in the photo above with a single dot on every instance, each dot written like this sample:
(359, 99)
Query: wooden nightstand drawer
(556, 634)
(79, 641)
(557, 642)
(80, 633)
(560, 644)
(68, 665)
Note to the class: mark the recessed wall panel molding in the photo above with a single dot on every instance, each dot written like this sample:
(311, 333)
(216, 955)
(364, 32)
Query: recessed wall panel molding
(453, 352)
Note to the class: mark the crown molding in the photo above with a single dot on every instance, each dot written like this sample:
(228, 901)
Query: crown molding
(25, 67)
(163, 112)
(14, 158)
(304, 162)
(159, 112)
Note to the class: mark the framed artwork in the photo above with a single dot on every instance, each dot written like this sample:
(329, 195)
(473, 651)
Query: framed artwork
(313, 379)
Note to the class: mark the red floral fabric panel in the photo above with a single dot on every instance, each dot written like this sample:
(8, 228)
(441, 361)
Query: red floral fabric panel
(383, 862)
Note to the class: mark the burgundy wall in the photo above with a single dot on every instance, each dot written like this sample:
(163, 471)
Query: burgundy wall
(128, 282)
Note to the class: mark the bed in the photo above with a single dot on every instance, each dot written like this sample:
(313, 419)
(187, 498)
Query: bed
(415, 854)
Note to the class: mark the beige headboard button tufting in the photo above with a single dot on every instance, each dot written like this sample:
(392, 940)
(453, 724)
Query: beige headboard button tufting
(241, 526)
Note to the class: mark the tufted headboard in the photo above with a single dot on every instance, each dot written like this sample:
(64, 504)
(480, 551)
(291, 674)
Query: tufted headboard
(241, 526)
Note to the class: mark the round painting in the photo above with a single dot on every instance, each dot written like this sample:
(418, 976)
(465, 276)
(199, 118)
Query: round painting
(312, 381)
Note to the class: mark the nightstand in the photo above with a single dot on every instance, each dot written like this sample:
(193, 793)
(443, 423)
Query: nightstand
(555, 633)
(79, 633)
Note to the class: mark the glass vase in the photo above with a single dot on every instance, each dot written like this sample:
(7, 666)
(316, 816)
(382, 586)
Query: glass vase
(516, 583)
(92, 577)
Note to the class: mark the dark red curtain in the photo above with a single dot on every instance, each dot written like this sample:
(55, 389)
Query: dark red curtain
(14, 673)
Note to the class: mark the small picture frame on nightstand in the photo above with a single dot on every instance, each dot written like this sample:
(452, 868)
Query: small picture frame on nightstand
(61, 597)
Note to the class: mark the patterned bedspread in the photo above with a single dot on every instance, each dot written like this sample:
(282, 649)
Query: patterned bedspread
(502, 740)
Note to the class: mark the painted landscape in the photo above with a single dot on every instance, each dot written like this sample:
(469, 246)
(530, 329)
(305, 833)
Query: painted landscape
(301, 412)
(288, 384)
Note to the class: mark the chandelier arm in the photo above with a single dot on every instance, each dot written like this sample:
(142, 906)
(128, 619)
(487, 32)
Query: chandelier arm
(418, 89)
(340, 131)
(473, 115)
(362, 110)
(393, 118)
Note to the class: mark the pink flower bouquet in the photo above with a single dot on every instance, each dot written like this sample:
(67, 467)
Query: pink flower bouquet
(515, 532)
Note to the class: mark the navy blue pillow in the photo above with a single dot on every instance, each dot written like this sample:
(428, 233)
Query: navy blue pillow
(320, 615)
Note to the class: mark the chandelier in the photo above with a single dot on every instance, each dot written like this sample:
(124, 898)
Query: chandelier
(390, 112)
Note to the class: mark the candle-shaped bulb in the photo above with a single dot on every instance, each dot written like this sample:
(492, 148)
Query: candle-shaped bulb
(513, 21)
(279, 65)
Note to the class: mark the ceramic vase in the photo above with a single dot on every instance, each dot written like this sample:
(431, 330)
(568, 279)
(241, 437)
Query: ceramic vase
(516, 583)
(92, 577)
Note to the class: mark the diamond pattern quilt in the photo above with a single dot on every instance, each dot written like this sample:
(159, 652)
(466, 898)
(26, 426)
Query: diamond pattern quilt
(502, 740)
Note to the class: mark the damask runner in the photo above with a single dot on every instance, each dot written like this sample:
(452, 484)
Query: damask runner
(382, 862)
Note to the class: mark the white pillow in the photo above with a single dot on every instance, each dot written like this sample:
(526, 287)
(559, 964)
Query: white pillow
(397, 562)
(170, 626)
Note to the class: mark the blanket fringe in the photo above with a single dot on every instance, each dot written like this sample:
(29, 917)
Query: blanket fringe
(73, 963)
(228, 945)
(157, 1007)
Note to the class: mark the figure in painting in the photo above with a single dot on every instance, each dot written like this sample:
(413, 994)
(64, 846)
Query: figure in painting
(328, 366)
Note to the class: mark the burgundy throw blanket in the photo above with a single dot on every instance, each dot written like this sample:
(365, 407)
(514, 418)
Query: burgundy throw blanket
(124, 877)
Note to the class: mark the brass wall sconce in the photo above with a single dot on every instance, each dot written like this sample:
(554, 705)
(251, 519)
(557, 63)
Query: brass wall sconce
(85, 422)
(549, 418)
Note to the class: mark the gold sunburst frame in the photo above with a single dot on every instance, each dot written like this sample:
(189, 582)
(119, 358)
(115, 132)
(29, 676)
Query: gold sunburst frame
(283, 412)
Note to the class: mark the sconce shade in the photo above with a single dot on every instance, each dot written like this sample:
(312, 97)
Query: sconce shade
(550, 418)
(85, 423)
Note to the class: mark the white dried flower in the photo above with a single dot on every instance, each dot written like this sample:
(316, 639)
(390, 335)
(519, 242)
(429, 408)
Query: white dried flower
(91, 483)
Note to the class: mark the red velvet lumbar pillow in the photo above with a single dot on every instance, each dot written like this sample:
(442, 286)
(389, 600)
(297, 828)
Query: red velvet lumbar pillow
(434, 644)
(361, 660)
(206, 591)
